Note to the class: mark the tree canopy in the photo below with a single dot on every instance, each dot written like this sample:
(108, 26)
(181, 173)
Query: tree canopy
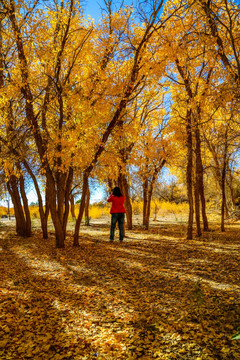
(147, 86)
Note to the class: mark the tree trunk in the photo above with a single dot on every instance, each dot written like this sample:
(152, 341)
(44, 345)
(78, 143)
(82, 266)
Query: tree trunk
(223, 198)
(128, 205)
(223, 180)
(57, 222)
(18, 210)
(148, 209)
(58, 193)
(86, 210)
(59, 231)
(203, 203)
(197, 180)
(72, 206)
(81, 210)
(148, 191)
(217, 171)
(67, 193)
(25, 207)
(155, 211)
(199, 173)
(43, 214)
(230, 186)
(145, 202)
(218, 177)
(61, 197)
(44, 225)
(197, 208)
(189, 176)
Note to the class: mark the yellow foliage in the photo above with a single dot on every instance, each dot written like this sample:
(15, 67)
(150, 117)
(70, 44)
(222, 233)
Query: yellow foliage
(95, 212)
(166, 207)
(4, 211)
(137, 207)
(162, 207)
(34, 212)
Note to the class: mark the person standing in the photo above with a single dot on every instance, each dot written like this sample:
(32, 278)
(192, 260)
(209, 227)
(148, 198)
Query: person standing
(117, 212)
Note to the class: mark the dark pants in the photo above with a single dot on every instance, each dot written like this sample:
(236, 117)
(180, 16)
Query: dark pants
(117, 218)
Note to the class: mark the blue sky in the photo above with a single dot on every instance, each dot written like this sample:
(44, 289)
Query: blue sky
(92, 8)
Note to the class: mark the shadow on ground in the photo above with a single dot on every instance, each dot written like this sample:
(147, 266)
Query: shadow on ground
(156, 296)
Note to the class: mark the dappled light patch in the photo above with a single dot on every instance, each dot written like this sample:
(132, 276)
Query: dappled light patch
(133, 264)
(136, 252)
(39, 266)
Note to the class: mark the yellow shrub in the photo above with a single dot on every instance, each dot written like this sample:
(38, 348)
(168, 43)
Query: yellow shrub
(95, 212)
(34, 213)
(137, 207)
(160, 208)
(4, 211)
(166, 208)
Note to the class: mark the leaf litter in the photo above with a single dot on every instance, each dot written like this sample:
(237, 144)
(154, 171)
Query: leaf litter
(155, 296)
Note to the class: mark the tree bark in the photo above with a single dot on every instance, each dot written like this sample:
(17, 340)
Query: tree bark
(81, 210)
(199, 174)
(189, 175)
(148, 185)
(145, 202)
(223, 181)
(229, 181)
(197, 179)
(43, 214)
(72, 206)
(86, 210)
(218, 171)
(67, 192)
(123, 184)
(223, 199)
(46, 213)
(12, 186)
(149, 198)
(25, 206)
(197, 208)
(58, 224)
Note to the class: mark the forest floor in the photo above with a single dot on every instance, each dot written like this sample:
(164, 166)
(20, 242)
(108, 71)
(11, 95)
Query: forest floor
(154, 296)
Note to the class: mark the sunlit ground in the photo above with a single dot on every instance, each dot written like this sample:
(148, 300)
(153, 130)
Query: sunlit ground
(155, 296)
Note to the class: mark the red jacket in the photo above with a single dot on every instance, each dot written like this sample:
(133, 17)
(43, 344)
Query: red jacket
(117, 204)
